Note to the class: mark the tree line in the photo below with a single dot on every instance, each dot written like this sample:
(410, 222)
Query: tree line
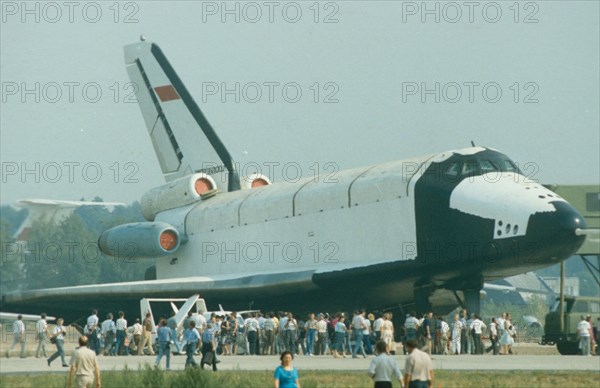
(65, 253)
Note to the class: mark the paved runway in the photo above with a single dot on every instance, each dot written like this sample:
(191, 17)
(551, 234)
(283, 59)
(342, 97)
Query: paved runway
(15, 365)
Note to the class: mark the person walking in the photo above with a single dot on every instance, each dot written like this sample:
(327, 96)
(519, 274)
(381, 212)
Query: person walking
(444, 335)
(92, 331)
(311, 334)
(583, 334)
(108, 331)
(358, 326)
(289, 333)
(418, 368)
(121, 327)
(172, 325)
(383, 367)
(322, 336)
(493, 329)
(84, 365)
(252, 328)
(477, 327)
(137, 330)
(338, 338)
(270, 328)
(464, 335)
(209, 356)
(286, 376)
(387, 331)
(426, 331)
(232, 338)
(456, 340)
(147, 335)
(367, 336)
(411, 328)
(18, 336)
(164, 341)
(506, 340)
(58, 334)
(191, 336)
(41, 327)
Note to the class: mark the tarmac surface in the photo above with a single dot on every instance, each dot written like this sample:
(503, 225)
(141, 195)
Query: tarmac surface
(16, 365)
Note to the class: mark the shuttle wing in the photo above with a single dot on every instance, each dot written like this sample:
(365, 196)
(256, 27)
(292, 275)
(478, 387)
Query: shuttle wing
(80, 298)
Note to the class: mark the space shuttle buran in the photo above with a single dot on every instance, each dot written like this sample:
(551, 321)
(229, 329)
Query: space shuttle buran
(424, 231)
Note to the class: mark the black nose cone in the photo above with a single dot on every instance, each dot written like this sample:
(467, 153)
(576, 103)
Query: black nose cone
(553, 233)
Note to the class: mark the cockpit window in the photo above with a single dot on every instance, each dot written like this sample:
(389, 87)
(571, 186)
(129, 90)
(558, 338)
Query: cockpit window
(507, 165)
(452, 170)
(459, 168)
(470, 168)
(487, 166)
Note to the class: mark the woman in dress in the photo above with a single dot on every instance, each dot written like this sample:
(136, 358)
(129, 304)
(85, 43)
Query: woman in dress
(387, 331)
(286, 376)
(506, 340)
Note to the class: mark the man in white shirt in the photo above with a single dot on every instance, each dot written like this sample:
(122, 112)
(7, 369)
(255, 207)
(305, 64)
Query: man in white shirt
(41, 327)
(200, 322)
(289, 333)
(19, 336)
(477, 326)
(58, 334)
(377, 327)
(321, 336)
(583, 332)
(108, 333)
(92, 333)
(411, 325)
(358, 325)
(252, 328)
(383, 367)
(493, 330)
(418, 368)
(367, 336)
(121, 334)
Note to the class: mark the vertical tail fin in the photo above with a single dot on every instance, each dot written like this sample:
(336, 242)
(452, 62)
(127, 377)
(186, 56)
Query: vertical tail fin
(183, 139)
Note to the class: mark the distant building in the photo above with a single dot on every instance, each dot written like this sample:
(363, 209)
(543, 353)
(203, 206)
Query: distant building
(519, 289)
(571, 285)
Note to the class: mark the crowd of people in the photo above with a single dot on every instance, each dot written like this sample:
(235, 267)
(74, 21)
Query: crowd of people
(339, 335)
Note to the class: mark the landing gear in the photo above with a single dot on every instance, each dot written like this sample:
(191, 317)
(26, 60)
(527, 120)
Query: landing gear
(421, 296)
(473, 300)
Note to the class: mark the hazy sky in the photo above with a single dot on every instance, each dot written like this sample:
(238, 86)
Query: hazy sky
(66, 116)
